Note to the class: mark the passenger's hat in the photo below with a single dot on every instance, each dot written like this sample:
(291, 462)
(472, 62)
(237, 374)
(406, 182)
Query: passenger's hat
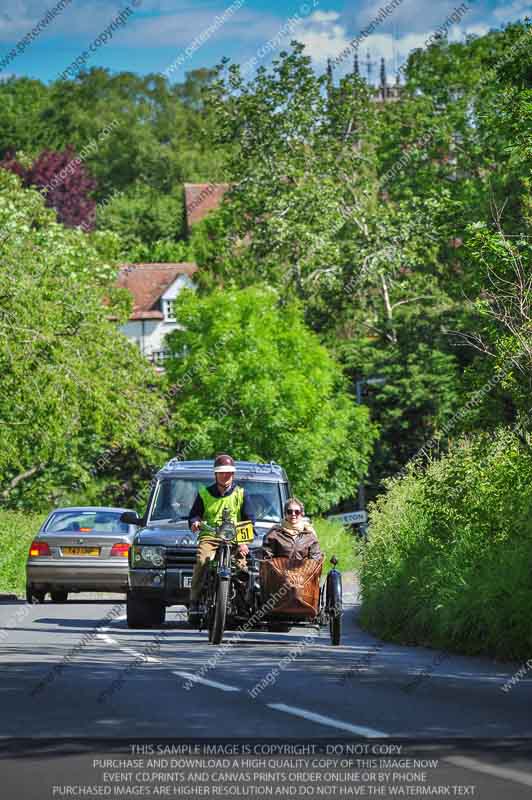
(224, 463)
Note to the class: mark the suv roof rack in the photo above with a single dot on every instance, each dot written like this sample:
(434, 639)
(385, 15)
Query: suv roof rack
(176, 465)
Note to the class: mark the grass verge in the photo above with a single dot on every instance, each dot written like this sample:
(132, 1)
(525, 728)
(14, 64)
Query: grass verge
(17, 531)
(336, 540)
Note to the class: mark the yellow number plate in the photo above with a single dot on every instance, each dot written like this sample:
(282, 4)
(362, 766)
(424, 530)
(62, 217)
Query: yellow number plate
(81, 551)
(244, 532)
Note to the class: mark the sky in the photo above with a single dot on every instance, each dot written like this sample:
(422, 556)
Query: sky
(176, 36)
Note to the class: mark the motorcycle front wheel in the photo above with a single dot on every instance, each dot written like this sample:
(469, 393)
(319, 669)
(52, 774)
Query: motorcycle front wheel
(219, 612)
(217, 628)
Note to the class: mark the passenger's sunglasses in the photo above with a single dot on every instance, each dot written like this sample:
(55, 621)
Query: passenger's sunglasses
(296, 511)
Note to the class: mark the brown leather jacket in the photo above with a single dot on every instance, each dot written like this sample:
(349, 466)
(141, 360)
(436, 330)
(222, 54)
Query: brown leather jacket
(280, 542)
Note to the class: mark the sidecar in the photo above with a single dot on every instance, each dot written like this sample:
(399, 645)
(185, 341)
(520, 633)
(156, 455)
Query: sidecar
(291, 595)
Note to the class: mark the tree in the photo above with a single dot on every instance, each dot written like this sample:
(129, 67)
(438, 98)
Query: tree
(503, 333)
(64, 182)
(300, 169)
(255, 381)
(79, 415)
(155, 127)
(21, 123)
(141, 216)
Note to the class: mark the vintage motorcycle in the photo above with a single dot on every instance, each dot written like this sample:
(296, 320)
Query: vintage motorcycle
(221, 595)
(274, 594)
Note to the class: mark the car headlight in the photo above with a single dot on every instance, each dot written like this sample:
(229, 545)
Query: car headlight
(147, 556)
(186, 540)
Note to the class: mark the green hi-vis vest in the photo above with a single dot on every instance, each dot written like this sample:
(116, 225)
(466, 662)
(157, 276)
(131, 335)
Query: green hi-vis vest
(213, 507)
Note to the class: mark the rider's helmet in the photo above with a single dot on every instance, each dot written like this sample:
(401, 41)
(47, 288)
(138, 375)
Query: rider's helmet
(224, 463)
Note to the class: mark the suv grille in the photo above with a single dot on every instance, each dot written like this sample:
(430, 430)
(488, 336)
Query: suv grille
(181, 556)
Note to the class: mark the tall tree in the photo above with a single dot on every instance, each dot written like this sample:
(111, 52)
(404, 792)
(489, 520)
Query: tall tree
(254, 380)
(64, 182)
(79, 417)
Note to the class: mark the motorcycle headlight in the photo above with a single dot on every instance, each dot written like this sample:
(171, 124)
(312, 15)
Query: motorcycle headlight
(227, 530)
(147, 556)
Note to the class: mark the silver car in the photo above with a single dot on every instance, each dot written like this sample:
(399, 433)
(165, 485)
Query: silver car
(78, 550)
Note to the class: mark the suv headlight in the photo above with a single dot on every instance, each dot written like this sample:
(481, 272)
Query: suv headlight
(147, 556)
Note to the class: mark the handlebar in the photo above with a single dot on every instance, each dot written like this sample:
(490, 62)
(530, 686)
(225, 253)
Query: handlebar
(217, 531)
(226, 531)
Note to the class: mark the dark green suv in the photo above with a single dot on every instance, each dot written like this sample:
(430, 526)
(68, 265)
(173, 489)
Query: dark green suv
(163, 553)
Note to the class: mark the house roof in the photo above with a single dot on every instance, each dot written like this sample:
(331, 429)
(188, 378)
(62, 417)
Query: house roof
(200, 198)
(147, 282)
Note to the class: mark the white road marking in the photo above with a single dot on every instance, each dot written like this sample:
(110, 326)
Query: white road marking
(135, 653)
(489, 769)
(106, 638)
(116, 619)
(360, 730)
(225, 687)
(139, 655)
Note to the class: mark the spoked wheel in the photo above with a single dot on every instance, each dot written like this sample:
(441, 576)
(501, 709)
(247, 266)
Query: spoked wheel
(335, 627)
(218, 614)
(217, 627)
(334, 605)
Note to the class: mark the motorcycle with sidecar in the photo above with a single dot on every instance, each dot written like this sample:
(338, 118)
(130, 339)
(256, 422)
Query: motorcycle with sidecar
(273, 594)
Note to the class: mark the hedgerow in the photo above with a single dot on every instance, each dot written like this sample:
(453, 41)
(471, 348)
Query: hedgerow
(449, 557)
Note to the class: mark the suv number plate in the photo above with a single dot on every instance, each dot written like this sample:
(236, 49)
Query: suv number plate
(187, 581)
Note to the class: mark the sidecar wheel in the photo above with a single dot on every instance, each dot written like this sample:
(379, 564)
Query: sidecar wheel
(334, 606)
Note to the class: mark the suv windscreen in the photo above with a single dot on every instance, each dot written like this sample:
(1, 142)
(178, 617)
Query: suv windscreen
(174, 498)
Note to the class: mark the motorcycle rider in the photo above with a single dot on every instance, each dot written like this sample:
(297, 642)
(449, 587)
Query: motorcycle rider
(208, 507)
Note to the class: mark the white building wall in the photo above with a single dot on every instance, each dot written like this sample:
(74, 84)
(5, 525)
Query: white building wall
(149, 334)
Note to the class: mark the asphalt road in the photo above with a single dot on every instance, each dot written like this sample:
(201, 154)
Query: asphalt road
(75, 670)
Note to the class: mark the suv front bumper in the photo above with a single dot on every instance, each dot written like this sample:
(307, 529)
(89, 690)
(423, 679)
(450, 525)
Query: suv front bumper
(172, 585)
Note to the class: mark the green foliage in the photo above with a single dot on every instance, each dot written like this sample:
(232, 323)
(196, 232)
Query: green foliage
(255, 382)
(161, 251)
(465, 95)
(158, 141)
(312, 211)
(403, 228)
(502, 329)
(293, 161)
(17, 531)
(141, 217)
(449, 554)
(421, 393)
(72, 388)
(141, 136)
(22, 125)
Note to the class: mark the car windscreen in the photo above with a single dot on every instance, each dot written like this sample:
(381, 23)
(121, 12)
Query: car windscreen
(87, 522)
(266, 500)
(174, 497)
